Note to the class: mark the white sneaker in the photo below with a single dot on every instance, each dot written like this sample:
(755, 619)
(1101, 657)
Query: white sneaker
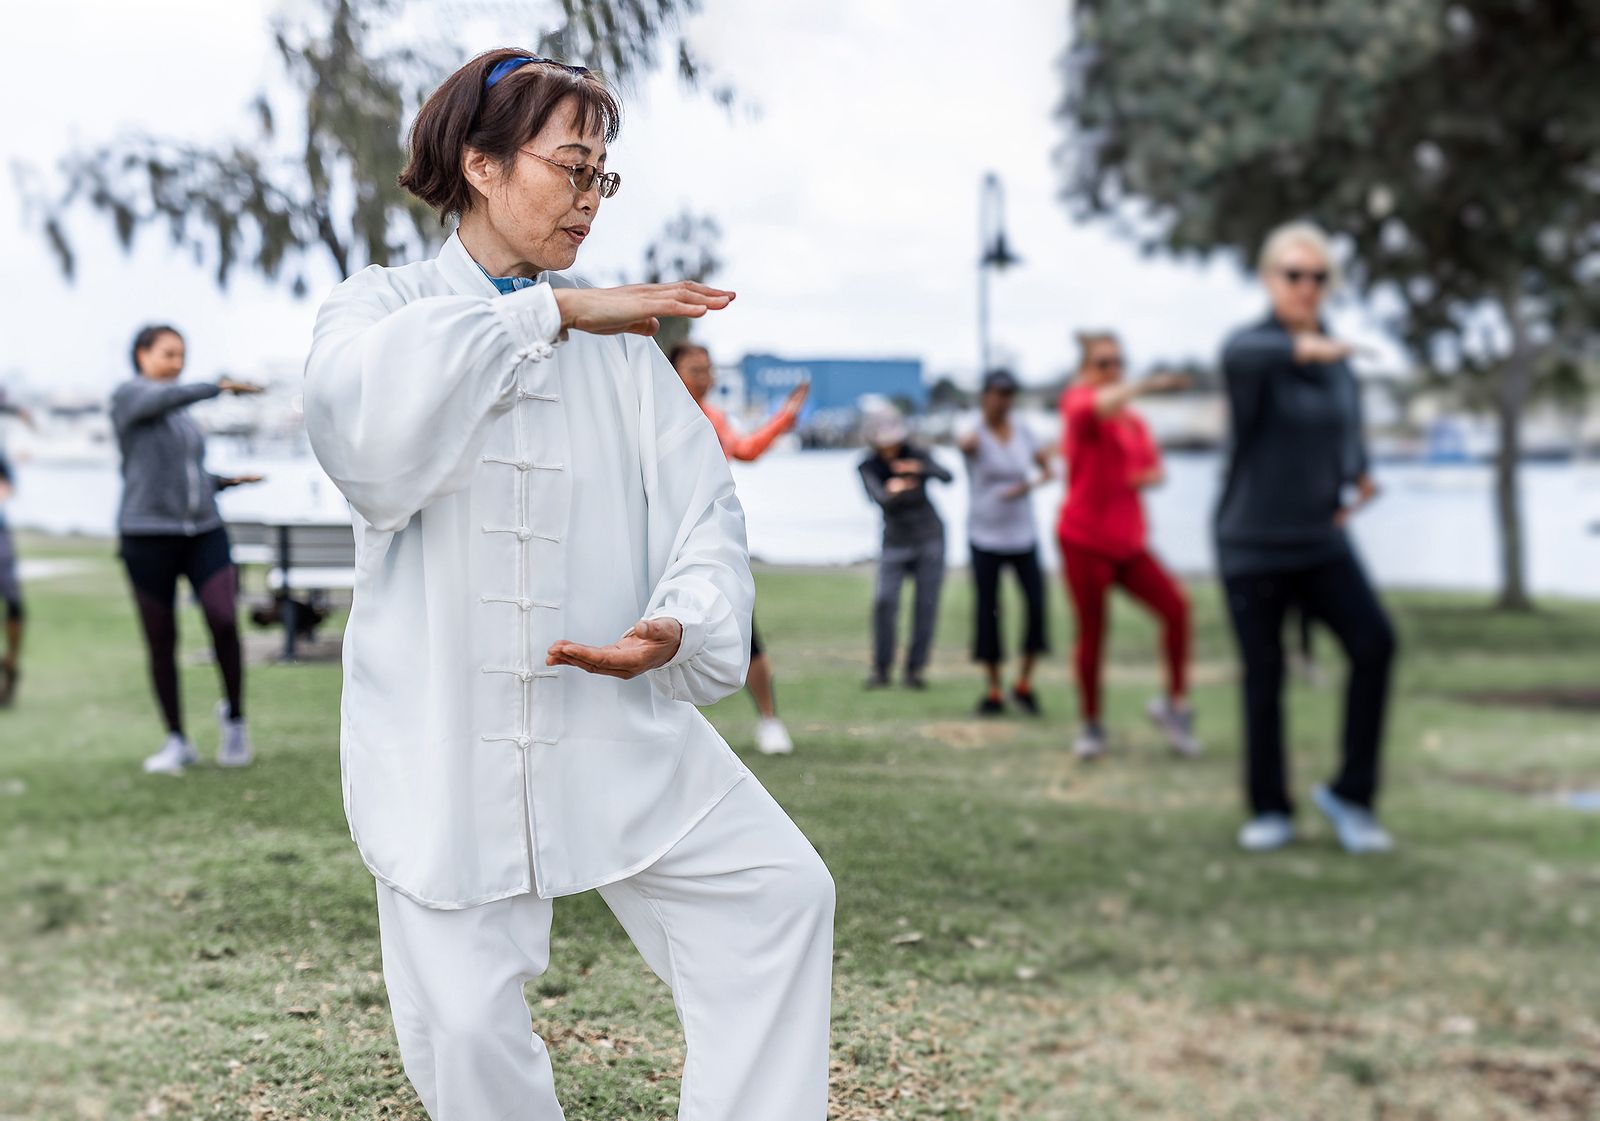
(1266, 832)
(1091, 743)
(174, 756)
(1177, 723)
(234, 749)
(772, 738)
(1359, 832)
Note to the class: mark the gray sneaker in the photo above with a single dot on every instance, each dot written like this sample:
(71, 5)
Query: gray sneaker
(1266, 833)
(176, 754)
(1091, 743)
(1358, 831)
(234, 748)
(1177, 723)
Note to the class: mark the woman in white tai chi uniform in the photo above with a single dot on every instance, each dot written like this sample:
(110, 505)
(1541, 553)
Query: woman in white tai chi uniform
(551, 575)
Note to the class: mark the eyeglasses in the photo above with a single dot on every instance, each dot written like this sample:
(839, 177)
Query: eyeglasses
(1108, 363)
(584, 177)
(1319, 277)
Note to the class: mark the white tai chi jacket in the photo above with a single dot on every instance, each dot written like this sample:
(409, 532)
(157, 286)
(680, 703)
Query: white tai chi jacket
(509, 490)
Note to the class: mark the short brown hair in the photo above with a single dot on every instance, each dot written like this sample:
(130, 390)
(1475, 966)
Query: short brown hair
(462, 114)
(683, 350)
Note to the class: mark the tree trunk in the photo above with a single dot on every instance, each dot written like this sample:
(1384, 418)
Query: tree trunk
(1508, 506)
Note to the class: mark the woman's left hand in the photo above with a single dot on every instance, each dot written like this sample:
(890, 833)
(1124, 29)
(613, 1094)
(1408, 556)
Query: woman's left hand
(1366, 491)
(649, 644)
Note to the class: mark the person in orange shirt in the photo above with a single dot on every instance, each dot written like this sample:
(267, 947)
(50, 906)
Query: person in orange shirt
(693, 363)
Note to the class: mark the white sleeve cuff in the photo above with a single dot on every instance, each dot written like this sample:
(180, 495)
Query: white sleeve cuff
(533, 318)
(694, 634)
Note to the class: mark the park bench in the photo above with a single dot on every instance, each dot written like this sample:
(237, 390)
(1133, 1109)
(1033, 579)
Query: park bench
(304, 562)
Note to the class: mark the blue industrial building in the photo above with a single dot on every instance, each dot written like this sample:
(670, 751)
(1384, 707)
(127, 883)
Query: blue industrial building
(837, 384)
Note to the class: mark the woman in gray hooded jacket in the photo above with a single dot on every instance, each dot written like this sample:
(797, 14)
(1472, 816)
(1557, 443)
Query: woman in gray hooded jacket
(170, 526)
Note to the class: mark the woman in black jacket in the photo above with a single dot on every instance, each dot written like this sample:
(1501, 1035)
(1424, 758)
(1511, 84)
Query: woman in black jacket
(895, 475)
(1296, 471)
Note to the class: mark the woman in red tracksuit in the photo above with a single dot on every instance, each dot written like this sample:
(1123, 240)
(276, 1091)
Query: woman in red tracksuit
(1111, 458)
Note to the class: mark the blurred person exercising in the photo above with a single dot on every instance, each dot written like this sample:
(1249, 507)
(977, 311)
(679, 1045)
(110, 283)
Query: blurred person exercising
(1111, 458)
(895, 475)
(10, 584)
(1296, 471)
(693, 363)
(1004, 464)
(170, 526)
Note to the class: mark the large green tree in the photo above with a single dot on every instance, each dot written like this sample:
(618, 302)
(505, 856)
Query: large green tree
(276, 199)
(1452, 145)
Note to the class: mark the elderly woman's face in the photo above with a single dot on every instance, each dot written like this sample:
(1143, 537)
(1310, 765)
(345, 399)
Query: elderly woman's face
(1297, 282)
(532, 204)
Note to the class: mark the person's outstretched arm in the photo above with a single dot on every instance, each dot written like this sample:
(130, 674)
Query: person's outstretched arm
(399, 397)
(140, 399)
(1249, 360)
(755, 444)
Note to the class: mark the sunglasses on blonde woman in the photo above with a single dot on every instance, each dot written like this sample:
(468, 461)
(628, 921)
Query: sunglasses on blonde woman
(584, 177)
(1318, 277)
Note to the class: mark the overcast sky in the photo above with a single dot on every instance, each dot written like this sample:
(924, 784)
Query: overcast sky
(848, 204)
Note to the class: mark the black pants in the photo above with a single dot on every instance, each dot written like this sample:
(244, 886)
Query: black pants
(154, 563)
(986, 569)
(1338, 595)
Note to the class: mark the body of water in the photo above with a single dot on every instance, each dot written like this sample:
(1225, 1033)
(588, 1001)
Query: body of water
(1433, 527)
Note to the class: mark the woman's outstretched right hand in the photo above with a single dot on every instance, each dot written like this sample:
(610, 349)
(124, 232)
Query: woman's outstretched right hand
(636, 309)
(1314, 348)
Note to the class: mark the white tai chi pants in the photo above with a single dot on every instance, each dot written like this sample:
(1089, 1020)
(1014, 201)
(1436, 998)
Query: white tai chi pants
(736, 918)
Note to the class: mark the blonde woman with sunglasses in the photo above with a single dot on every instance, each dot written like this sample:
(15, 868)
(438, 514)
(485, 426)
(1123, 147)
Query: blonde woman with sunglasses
(1296, 471)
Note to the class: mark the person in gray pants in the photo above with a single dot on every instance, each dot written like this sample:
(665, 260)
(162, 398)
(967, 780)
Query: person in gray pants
(895, 475)
(10, 586)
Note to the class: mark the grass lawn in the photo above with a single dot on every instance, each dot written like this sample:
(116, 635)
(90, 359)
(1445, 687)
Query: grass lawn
(1019, 936)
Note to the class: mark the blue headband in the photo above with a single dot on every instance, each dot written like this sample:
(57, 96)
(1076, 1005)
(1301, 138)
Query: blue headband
(506, 66)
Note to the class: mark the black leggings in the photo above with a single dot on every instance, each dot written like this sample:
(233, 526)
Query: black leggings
(154, 563)
(986, 569)
(1338, 595)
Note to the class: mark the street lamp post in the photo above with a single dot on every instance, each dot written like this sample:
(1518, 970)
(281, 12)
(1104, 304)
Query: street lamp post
(997, 255)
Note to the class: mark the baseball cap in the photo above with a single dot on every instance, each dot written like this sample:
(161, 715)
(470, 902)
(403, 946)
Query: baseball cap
(1000, 381)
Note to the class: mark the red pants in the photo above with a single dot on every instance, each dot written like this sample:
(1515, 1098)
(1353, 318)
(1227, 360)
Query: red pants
(1090, 576)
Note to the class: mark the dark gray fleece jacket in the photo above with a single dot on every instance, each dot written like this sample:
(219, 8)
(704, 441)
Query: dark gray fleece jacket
(165, 486)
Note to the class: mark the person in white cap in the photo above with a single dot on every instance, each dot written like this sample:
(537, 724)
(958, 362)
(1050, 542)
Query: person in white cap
(895, 475)
(551, 575)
